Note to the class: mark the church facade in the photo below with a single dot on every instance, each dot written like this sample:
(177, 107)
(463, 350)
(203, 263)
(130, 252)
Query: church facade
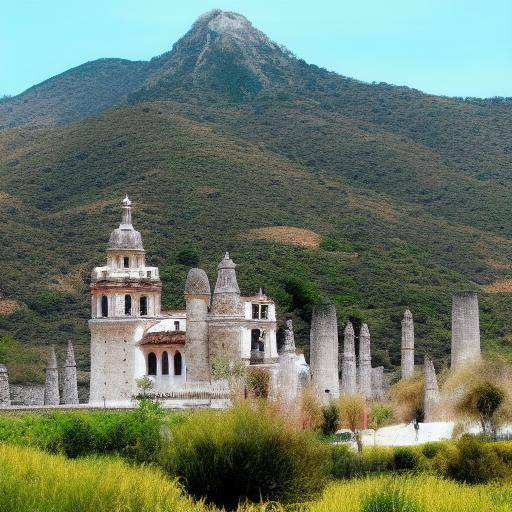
(131, 337)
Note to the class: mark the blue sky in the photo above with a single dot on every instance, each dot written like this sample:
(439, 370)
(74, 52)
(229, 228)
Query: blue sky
(450, 47)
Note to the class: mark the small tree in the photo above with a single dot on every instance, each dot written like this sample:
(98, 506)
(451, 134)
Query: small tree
(331, 419)
(482, 401)
(352, 409)
(145, 384)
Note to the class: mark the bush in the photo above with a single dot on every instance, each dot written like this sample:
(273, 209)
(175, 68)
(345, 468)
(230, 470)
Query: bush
(430, 450)
(474, 462)
(77, 437)
(245, 455)
(405, 459)
(345, 463)
(331, 419)
(389, 500)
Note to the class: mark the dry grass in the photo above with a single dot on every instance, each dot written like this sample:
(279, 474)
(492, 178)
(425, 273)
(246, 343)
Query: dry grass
(8, 306)
(500, 286)
(285, 235)
(379, 207)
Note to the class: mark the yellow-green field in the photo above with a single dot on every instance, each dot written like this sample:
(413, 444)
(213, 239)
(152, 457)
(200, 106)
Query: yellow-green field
(31, 481)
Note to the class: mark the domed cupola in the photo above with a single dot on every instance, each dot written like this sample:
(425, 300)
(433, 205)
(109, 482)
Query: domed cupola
(125, 237)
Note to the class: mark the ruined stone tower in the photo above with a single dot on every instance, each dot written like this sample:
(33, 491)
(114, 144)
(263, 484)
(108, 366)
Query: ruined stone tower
(125, 299)
(324, 352)
(431, 398)
(197, 297)
(348, 365)
(224, 329)
(378, 383)
(365, 362)
(465, 329)
(5, 398)
(407, 345)
(51, 385)
(288, 374)
(69, 386)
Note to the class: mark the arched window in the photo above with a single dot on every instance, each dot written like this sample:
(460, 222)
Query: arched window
(177, 364)
(104, 305)
(176, 325)
(151, 363)
(126, 262)
(127, 304)
(165, 364)
(143, 306)
(255, 339)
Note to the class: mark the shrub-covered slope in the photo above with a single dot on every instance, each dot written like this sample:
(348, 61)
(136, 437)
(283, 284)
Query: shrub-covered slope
(386, 197)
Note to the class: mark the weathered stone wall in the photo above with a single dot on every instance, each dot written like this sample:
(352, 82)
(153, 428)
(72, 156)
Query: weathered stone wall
(27, 394)
(5, 397)
(349, 366)
(196, 347)
(465, 329)
(113, 345)
(365, 363)
(407, 345)
(224, 339)
(324, 352)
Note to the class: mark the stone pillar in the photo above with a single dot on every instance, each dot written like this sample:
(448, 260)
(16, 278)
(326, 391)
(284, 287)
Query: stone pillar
(197, 297)
(69, 386)
(431, 399)
(288, 371)
(365, 362)
(324, 352)
(51, 385)
(5, 397)
(348, 365)
(465, 329)
(378, 383)
(407, 345)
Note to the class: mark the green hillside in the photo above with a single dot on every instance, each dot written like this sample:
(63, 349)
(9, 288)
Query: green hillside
(403, 198)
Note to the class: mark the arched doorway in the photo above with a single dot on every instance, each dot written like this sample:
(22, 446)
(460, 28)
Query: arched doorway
(178, 363)
(104, 306)
(165, 363)
(151, 363)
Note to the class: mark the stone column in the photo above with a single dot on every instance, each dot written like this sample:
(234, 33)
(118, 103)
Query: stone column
(69, 386)
(51, 385)
(431, 391)
(378, 383)
(324, 352)
(365, 362)
(465, 329)
(5, 397)
(407, 345)
(197, 296)
(348, 365)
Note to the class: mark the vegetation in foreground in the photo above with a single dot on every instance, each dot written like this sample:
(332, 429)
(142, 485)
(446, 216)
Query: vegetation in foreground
(33, 481)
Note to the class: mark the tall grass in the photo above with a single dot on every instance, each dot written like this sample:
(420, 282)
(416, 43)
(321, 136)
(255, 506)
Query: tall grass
(33, 481)
(422, 492)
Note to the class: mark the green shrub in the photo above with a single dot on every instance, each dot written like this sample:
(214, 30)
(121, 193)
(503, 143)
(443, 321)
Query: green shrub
(77, 437)
(389, 500)
(405, 459)
(430, 450)
(345, 462)
(504, 451)
(377, 459)
(245, 455)
(474, 462)
(330, 419)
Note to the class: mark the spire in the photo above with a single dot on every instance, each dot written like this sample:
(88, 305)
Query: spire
(407, 361)
(226, 278)
(125, 237)
(5, 398)
(127, 212)
(365, 362)
(348, 362)
(431, 398)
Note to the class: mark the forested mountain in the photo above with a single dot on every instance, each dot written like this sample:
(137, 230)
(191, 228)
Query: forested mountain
(322, 187)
